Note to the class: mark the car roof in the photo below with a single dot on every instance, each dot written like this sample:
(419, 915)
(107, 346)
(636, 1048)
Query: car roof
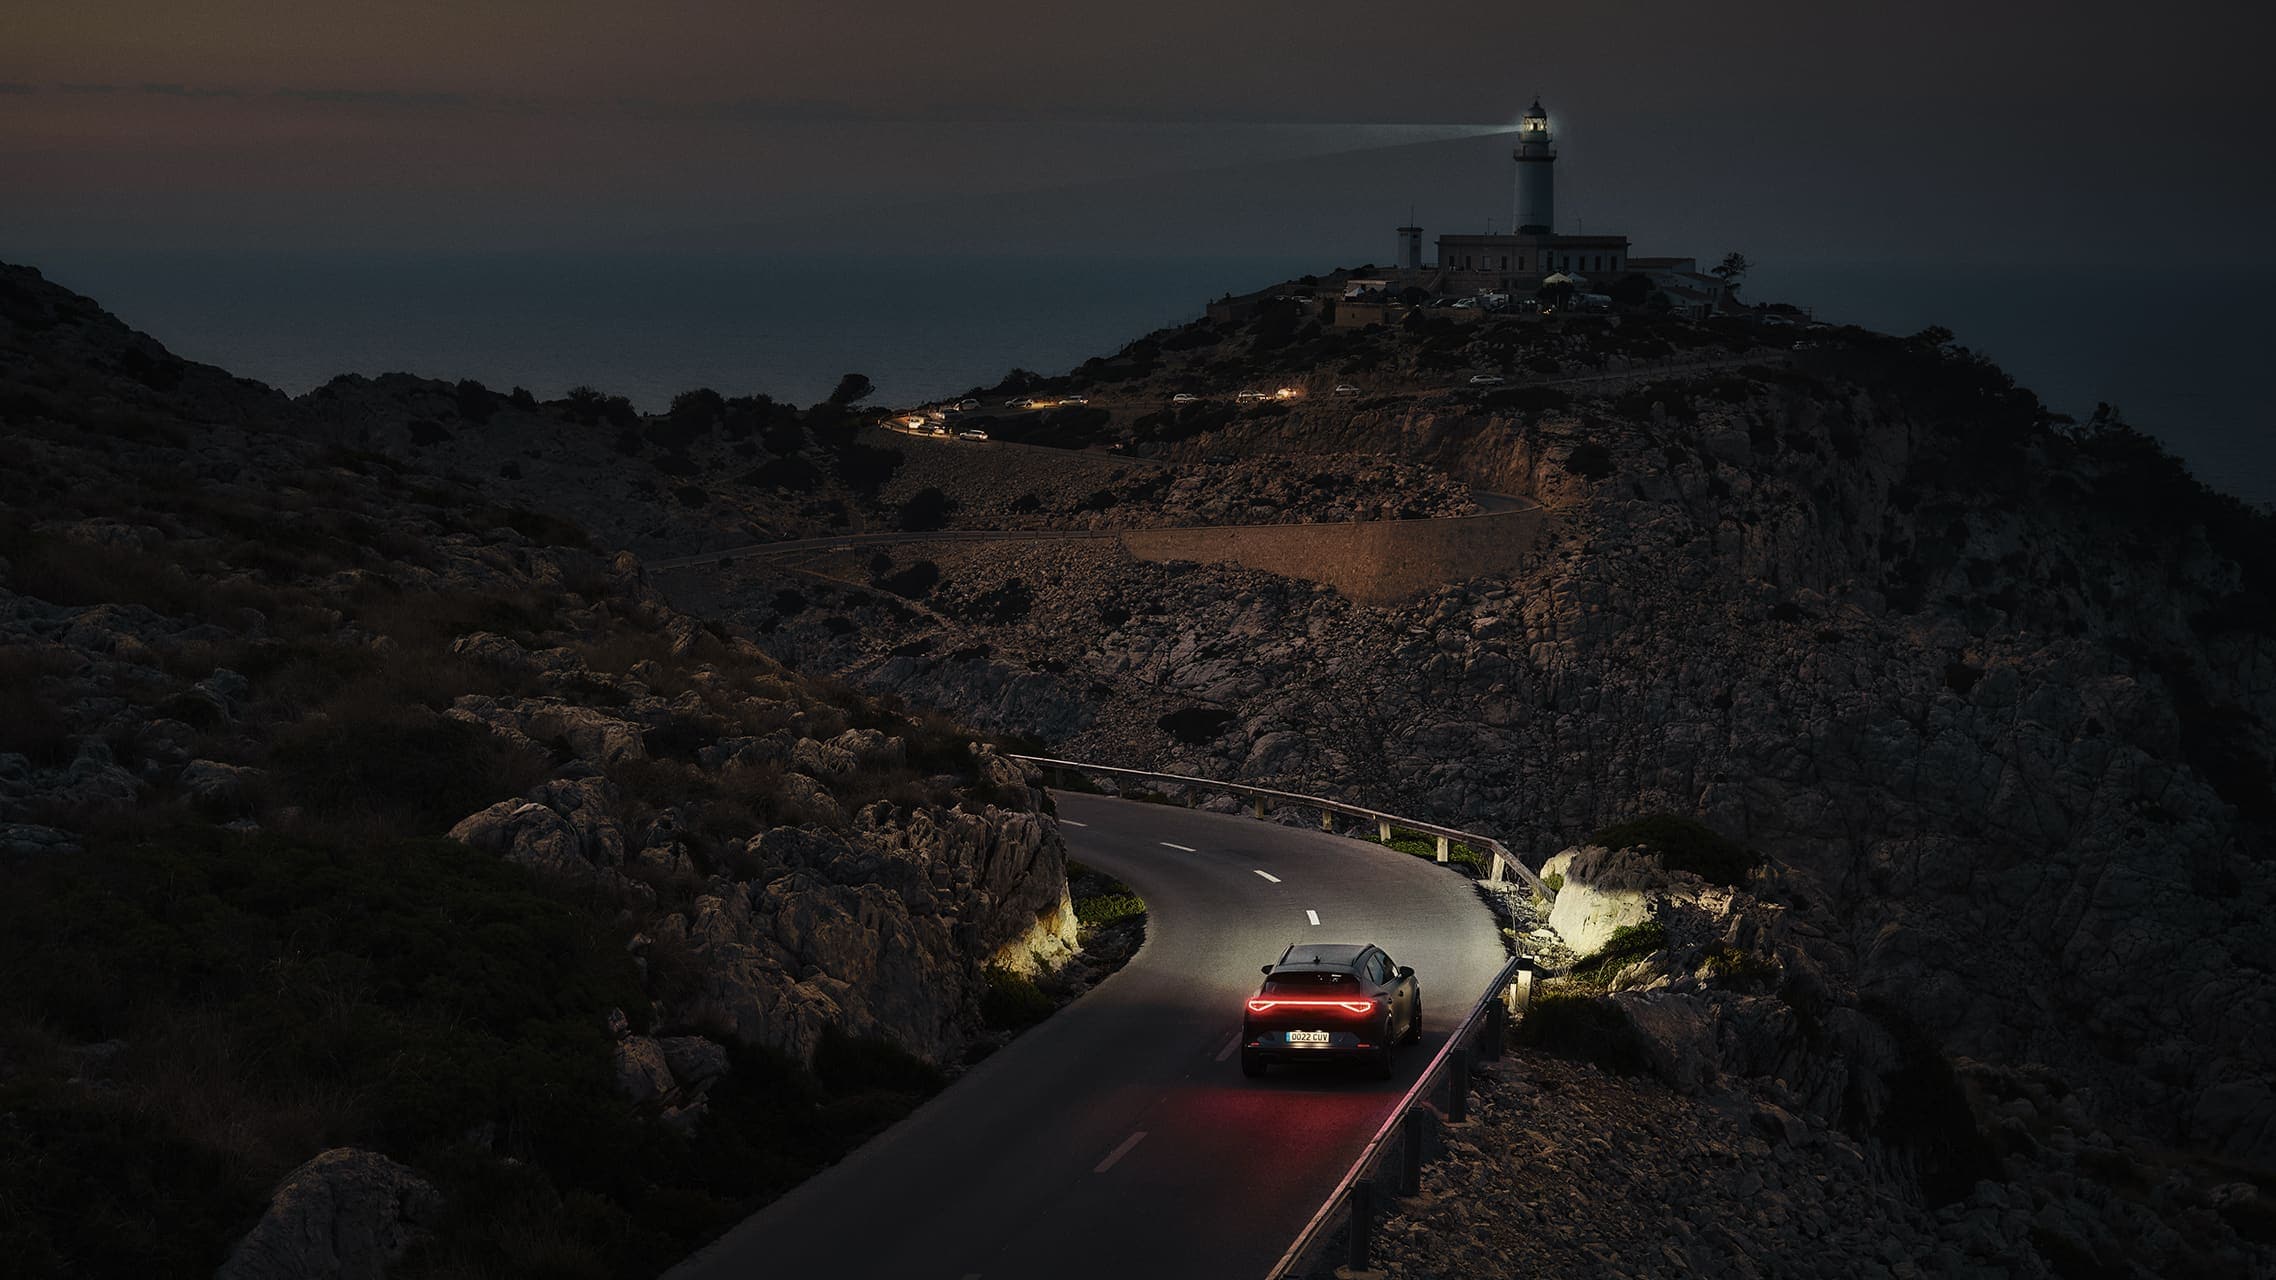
(1322, 955)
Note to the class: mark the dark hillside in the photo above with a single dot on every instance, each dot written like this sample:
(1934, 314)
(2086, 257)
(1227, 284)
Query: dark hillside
(346, 808)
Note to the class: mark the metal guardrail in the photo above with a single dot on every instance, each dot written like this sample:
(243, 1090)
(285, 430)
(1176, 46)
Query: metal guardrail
(1503, 859)
(1353, 1203)
(1352, 1206)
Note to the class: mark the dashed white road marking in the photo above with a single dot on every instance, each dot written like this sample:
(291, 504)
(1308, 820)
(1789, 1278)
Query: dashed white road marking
(1182, 848)
(1312, 916)
(1269, 876)
(1230, 1045)
(1064, 822)
(1119, 1152)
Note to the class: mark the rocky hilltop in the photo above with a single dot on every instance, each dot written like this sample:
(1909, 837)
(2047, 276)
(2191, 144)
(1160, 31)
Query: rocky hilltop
(1990, 694)
(1901, 751)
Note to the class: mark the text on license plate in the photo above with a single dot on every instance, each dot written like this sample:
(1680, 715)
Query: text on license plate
(1307, 1037)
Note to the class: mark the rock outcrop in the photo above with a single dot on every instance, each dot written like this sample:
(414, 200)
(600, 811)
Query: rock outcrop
(344, 1215)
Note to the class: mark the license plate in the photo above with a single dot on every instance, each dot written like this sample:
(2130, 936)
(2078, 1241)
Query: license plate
(1307, 1037)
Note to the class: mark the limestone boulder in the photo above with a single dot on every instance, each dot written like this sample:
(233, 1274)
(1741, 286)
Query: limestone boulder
(694, 1060)
(642, 1072)
(347, 1214)
(1603, 892)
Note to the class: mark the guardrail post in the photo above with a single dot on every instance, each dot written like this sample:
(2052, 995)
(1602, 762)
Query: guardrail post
(1410, 1151)
(1327, 820)
(1490, 1040)
(1496, 874)
(1362, 1200)
(1442, 848)
(1521, 994)
(1383, 830)
(1458, 1086)
(1258, 806)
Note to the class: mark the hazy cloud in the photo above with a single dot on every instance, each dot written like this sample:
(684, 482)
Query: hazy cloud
(378, 97)
(171, 90)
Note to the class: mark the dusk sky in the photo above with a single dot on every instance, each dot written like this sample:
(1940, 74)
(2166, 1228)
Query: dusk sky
(1945, 131)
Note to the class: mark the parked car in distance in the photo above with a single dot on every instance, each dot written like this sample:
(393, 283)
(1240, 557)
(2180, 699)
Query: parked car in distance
(1037, 402)
(1346, 389)
(1074, 399)
(967, 406)
(973, 434)
(913, 420)
(1487, 379)
(1331, 1002)
(1184, 397)
(1250, 397)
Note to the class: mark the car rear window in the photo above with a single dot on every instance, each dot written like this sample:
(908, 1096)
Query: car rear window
(1311, 982)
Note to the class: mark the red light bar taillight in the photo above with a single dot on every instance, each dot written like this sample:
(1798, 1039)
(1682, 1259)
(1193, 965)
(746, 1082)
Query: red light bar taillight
(1266, 1004)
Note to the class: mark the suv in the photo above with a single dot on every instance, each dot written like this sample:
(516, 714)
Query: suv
(1331, 1001)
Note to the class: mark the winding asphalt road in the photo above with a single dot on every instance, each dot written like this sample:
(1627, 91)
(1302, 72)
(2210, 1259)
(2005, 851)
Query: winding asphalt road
(1119, 1138)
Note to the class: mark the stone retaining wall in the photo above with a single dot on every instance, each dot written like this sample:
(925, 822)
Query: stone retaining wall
(1375, 562)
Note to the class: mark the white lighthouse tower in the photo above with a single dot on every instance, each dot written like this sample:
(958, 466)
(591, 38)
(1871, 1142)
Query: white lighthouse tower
(1536, 157)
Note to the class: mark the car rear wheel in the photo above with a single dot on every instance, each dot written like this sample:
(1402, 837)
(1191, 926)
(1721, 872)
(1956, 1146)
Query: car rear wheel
(1414, 1023)
(1252, 1065)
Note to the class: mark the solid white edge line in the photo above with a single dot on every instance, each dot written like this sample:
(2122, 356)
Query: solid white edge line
(1070, 822)
(1312, 916)
(1119, 1152)
(1269, 876)
(1230, 1045)
(1181, 848)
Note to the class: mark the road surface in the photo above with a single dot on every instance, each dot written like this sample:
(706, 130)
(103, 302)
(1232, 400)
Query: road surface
(1119, 1138)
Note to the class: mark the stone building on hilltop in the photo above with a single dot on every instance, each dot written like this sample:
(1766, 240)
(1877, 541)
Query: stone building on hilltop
(1522, 260)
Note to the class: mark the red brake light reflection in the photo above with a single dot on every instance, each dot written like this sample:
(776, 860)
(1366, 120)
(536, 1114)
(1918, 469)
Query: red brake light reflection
(1267, 1005)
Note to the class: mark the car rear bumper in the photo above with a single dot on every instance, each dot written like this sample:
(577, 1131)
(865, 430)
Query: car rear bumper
(1274, 1046)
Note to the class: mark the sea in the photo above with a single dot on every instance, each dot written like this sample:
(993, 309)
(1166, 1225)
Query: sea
(2184, 356)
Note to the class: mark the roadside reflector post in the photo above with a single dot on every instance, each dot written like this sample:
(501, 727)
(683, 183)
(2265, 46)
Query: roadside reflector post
(1410, 1151)
(1258, 806)
(1458, 1086)
(1383, 829)
(1362, 1214)
(1442, 848)
(1327, 820)
(1496, 876)
(1521, 994)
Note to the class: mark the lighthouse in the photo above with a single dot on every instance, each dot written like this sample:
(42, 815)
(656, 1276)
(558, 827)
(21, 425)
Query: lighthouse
(1536, 157)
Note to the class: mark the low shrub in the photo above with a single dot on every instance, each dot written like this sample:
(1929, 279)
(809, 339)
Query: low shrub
(1196, 726)
(1586, 1027)
(1590, 461)
(1740, 969)
(406, 772)
(1628, 943)
(1683, 844)
(1102, 909)
(1010, 1002)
